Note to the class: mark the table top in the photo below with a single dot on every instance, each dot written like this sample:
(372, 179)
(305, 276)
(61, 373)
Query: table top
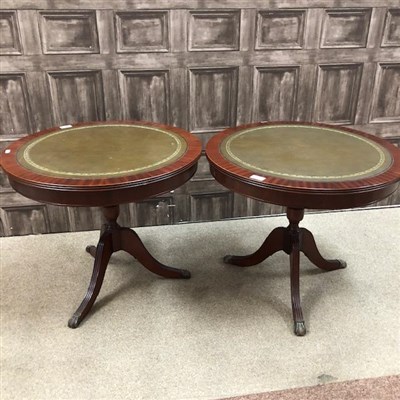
(101, 151)
(93, 157)
(303, 158)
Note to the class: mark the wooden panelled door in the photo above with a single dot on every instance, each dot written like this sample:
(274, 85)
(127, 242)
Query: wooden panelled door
(194, 65)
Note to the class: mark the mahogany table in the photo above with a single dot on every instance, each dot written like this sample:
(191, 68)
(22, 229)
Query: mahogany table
(104, 164)
(299, 166)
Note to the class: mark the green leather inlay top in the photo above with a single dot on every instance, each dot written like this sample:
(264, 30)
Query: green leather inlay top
(101, 151)
(307, 153)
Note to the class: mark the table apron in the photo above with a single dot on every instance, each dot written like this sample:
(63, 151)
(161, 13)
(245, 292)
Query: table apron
(101, 197)
(310, 199)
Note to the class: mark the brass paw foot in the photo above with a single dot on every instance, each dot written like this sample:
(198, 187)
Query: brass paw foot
(300, 328)
(185, 274)
(74, 322)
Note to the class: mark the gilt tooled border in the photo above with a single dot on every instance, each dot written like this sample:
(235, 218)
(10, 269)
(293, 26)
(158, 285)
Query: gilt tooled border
(29, 161)
(316, 177)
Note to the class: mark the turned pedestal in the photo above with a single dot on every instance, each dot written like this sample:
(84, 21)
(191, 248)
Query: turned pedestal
(302, 165)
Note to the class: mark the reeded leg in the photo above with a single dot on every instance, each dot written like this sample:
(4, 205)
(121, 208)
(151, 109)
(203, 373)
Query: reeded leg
(131, 243)
(299, 325)
(114, 238)
(103, 254)
(292, 240)
(273, 243)
(309, 248)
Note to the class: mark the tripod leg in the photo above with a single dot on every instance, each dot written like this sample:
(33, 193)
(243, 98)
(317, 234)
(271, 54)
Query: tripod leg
(131, 243)
(273, 243)
(103, 253)
(309, 248)
(299, 325)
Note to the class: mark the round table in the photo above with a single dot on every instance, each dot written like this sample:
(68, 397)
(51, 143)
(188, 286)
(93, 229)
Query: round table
(104, 164)
(299, 166)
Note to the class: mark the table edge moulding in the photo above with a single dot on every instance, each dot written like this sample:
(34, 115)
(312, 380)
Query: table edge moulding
(297, 195)
(105, 192)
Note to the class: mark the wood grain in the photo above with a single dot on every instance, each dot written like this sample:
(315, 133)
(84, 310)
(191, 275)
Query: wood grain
(104, 191)
(134, 59)
(300, 193)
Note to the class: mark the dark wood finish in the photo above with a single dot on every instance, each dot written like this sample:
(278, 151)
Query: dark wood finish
(115, 238)
(100, 192)
(107, 193)
(303, 194)
(292, 240)
(297, 195)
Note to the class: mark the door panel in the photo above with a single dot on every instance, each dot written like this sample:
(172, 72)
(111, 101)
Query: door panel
(197, 65)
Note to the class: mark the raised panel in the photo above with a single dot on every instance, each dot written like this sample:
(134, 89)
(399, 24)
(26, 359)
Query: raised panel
(76, 96)
(337, 93)
(275, 93)
(391, 34)
(145, 95)
(10, 41)
(386, 101)
(213, 98)
(24, 220)
(142, 31)
(69, 32)
(14, 105)
(4, 183)
(200, 66)
(345, 28)
(282, 29)
(214, 30)
(245, 206)
(57, 218)
(211, 206)
(158, 211)
(85, 218)
(203, 170)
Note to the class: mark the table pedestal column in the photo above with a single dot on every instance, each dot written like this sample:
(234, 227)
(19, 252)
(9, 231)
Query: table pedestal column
(114, 238)
(292, 240)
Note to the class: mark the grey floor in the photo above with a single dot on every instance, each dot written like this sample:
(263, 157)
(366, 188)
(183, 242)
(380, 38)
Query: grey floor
(227, 331)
